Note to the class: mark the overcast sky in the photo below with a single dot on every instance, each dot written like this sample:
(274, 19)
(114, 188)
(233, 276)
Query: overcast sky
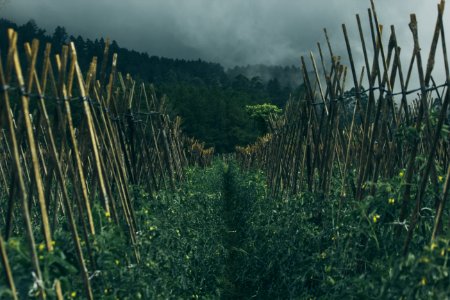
(232, 32)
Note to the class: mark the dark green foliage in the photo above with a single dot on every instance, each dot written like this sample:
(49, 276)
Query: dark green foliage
(180, 242)
(308, 247)
(220, 236)
(215, 114)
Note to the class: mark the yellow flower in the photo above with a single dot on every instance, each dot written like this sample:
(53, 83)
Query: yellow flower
(375, 218)
(391, 201)
(117, 262)
(423, 281)
(14, 243)
(442, 252)
(433, 246)
(73, 294)
(107, 214)
(424, 260)
(440, 178)
(41, 247)
(53, 243)
(401, 174)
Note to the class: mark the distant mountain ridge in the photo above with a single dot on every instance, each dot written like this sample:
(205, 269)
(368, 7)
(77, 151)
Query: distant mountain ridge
(287, 76)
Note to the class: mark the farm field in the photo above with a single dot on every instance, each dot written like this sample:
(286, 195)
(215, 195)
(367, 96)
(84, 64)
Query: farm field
(221, 236)
(339, 193)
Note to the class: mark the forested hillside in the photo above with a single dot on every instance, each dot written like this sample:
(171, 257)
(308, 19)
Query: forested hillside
(210, 99)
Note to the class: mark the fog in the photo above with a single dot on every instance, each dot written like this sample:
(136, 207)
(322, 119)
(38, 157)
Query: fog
(231, 32)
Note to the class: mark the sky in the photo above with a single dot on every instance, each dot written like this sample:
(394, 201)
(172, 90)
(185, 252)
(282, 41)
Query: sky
(231, 32)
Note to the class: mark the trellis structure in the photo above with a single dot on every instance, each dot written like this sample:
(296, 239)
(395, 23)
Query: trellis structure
(71, 141)
(340, 130)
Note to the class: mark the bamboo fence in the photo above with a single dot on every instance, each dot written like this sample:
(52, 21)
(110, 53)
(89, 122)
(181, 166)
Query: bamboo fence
(361, 136)
(70, 141)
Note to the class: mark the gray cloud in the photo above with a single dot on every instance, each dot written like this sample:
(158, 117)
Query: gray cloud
(232, 32)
